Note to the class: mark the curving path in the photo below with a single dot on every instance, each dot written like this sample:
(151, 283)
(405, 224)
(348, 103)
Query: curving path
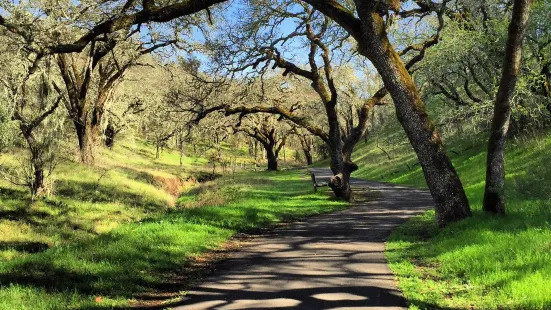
(332, 261)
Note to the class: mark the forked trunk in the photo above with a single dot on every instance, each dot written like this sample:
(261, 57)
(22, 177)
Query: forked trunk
(441, 177)
(342, 168)
(340, 182)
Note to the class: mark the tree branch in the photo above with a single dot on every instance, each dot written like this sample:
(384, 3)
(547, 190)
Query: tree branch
(342, 16)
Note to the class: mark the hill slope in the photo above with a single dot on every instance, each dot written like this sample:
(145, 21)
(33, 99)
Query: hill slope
(482, 262)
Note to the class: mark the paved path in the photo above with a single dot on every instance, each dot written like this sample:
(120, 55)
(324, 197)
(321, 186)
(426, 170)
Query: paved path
(332, 261)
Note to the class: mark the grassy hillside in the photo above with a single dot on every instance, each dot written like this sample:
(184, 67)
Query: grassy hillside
(120, 230)
(483, 262)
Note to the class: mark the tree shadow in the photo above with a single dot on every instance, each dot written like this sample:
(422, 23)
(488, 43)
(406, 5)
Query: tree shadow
(101, 193)
(10, 193)
(26, 215)
(89, 268)
(28, 247)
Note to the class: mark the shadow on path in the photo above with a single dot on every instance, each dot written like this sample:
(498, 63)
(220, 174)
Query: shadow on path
(331, 261)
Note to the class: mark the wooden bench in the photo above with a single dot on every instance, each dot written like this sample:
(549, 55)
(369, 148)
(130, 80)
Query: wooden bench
(315, 183)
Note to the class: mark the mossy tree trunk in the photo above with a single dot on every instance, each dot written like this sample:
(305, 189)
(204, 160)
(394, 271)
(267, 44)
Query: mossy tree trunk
(494, 198)
(442, 179)
(368, 28)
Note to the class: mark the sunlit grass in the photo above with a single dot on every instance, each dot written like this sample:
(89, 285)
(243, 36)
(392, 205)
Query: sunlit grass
(115, 232)
(484, 262)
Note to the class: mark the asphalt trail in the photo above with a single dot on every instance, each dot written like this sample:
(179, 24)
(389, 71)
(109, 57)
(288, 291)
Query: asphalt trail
(331, 261)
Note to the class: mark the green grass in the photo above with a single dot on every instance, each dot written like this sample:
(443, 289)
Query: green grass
(484, 262)
(125, 235)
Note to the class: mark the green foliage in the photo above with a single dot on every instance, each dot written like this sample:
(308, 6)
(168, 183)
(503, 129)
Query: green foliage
(460, 75)
(7, 129)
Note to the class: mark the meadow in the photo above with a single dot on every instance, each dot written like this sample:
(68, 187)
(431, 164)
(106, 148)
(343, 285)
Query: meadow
(119, 233)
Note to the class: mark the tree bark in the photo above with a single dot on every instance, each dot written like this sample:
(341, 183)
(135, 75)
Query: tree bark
(494, 198)
(110, 134)
(38, 182)
(341, 168)
(250, 143)
(271, 156)
(87, 135)
(442, 179)
(340, 183)
(181, 148)
(308, 156)
(546, 72)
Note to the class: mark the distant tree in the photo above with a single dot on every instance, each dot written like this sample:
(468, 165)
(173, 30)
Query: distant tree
(260, 44)
(159, 126)
(463, 69)
(270, 132)
(307, 144)
(56, 28)
(539, 47)
(116, 121)
(33, 98)
(102, 67)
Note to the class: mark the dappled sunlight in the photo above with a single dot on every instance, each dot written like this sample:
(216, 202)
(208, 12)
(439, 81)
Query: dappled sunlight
(104, 243)
(324, 262)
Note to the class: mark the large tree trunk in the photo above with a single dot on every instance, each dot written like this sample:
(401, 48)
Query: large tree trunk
(340, 182)
(442, 179)
(271, 156)
(88, 132)
(494, 199)
(308, 156)
(87, 138)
